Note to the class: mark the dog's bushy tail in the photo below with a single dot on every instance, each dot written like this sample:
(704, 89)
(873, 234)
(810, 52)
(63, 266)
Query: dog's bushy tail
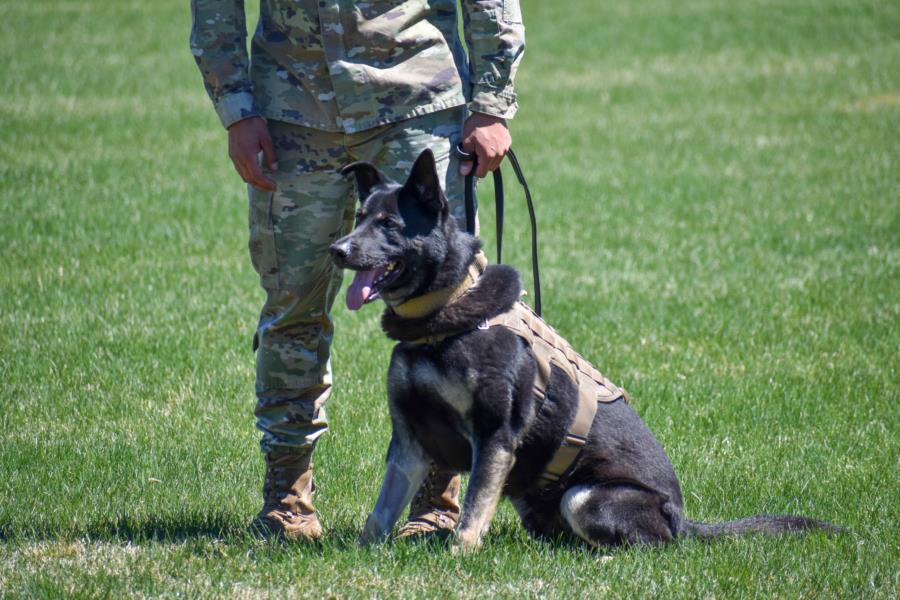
(770, 524)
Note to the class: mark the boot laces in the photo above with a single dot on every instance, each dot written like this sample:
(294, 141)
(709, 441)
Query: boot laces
(420, 501)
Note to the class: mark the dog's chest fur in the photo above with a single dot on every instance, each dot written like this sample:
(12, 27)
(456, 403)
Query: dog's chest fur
(433, 386)
(435, 402)
(453, 396)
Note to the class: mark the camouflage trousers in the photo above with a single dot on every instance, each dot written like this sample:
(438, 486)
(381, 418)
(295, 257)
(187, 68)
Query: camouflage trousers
(290, 232)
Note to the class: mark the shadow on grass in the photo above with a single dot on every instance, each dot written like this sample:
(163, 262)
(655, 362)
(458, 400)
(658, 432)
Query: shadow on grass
(129, 528)
(225, 528)
(154, 528)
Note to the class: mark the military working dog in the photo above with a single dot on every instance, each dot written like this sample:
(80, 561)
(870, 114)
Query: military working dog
(463, 393)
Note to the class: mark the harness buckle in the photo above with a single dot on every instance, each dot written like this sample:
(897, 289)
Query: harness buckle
(575, 440)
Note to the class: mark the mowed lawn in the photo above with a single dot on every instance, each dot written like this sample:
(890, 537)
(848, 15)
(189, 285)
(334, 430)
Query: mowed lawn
(719, 207)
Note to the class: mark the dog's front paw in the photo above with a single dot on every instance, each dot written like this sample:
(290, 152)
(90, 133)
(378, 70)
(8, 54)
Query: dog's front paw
(465, 542)
(372, 533)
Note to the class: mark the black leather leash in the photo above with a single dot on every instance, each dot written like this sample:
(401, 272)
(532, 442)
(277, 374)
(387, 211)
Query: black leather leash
(498, 196)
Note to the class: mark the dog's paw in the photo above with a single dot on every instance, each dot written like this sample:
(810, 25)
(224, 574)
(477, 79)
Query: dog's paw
(372, 533)
(364, 539)
(465, 543)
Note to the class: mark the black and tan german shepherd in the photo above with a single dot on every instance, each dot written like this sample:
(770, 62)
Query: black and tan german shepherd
(466, 402)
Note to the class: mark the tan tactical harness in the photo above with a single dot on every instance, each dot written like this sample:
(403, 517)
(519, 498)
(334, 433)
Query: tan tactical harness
(549, 348)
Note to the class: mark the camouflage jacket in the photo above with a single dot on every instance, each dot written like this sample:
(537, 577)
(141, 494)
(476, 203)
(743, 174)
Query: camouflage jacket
(347, 65)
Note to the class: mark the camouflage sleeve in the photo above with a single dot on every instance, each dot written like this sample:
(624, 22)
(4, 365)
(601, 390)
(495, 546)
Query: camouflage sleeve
(495, 36)
(219, 45)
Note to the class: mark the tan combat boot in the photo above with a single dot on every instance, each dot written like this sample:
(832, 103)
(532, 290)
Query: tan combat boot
(287, 510)
(435, 507)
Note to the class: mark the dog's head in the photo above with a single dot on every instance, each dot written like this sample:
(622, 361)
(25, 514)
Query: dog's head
(402, 233)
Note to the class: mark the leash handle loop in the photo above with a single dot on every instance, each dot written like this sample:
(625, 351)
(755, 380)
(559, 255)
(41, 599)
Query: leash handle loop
(470, 198)
(469, 186)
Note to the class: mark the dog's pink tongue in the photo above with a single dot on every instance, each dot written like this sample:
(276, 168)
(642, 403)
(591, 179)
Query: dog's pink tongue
(360, 289)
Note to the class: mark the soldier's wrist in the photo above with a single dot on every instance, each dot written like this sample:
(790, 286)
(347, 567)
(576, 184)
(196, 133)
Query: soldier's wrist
(235, 107)
(498, 105)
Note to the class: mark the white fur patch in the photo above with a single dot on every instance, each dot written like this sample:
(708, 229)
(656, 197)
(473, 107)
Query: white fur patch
(455, 393)
(472, 379)
(571, 504)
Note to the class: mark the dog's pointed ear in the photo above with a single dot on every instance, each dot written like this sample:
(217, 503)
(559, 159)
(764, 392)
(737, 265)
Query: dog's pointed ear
(367, 177)
(424, 182)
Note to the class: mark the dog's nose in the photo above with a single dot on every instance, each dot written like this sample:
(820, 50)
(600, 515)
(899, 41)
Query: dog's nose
(339, 252)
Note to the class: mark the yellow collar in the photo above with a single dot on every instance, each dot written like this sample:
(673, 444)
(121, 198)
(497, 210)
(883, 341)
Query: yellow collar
(421, 306)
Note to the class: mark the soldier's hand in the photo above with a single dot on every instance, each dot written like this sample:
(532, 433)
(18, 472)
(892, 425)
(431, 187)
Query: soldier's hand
(489, 139)
(246, 139)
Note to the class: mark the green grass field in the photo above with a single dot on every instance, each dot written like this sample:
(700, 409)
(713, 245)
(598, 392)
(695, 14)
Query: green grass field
(719, 210)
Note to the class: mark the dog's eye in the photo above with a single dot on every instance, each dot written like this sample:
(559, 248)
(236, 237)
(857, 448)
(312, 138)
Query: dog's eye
(388, 221)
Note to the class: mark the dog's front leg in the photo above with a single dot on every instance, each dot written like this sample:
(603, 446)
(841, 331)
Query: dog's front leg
(406, 470)
(491, 464)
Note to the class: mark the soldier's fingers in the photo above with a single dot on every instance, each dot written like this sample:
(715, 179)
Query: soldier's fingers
(495, 162)
(268, 150)
(257, 179)
(468, 146)
(242, 161)
(484, 163)
(241, 169)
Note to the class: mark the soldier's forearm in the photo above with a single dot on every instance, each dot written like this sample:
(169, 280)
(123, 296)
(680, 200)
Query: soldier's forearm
(219, 45)
(495, 36)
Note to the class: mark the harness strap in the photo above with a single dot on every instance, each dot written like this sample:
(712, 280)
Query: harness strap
(576, 437)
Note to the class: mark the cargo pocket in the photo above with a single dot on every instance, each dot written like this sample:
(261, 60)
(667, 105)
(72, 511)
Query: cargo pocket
(262, 237)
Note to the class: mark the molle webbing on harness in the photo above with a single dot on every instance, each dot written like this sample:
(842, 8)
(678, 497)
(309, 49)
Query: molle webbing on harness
(550, 348)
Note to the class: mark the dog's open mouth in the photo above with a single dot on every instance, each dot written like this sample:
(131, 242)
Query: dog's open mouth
(366, 285)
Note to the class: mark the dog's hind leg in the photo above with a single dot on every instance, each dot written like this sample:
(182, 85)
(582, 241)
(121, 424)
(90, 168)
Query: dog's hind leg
(405, 472)
(617, 513)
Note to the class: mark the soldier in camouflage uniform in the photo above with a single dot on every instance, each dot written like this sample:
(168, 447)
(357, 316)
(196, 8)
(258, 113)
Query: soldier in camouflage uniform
(329, 82)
